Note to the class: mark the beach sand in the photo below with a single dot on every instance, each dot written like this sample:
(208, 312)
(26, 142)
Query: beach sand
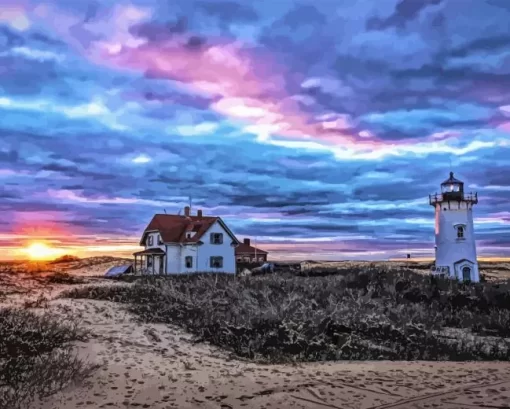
(158, 366)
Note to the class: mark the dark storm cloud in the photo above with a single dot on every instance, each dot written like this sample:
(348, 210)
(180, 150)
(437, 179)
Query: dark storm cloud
(228, 11)
(6, 194)
(500, 3)
(9, 39)
(75, 172)
(405, 11)
(158, 32)
(20, 204)
(9, 156)
(192, 101)
(485, 44)
(444, 75)
(25, 78)
(40, 38)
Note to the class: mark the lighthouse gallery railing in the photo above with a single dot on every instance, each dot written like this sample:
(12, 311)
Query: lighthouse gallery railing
(466, 197)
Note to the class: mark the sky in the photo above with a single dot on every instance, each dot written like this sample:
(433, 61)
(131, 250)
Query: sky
(317, 128)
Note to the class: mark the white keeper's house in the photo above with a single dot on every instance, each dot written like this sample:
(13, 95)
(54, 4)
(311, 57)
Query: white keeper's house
(176, 244)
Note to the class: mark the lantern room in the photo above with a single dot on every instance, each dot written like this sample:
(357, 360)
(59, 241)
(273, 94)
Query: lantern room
(452, 188)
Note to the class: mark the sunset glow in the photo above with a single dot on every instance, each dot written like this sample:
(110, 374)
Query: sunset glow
(318, 129)
(40, 251)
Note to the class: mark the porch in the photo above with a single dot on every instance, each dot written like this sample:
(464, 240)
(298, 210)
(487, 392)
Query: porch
(150, 261)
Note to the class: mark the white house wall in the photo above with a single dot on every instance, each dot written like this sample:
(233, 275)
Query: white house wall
(157, 259)
(173, 259)
(202, 254)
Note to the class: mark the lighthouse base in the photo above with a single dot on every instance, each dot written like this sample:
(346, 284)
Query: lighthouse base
(464, 270)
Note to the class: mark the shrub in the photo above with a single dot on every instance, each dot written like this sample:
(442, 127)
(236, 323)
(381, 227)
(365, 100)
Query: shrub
(36, 356)
(64, 278)
(39, 302)
(65, 259)
(354, 314)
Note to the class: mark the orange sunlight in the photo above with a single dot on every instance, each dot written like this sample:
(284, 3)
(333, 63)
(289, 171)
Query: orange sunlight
(41, 251)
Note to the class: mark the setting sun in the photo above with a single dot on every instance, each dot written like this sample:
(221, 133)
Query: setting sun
(40, 251)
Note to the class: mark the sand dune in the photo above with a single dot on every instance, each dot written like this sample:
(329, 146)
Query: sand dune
(158, 366)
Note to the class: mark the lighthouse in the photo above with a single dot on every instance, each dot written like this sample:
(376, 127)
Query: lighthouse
(455, 248)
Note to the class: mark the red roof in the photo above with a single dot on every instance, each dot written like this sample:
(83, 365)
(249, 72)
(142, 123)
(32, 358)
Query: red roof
(173, 228)
(244, 248)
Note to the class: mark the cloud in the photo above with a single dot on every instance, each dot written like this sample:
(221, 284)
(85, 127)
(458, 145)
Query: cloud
(431, 119)
(14, 15)
(318, 129)
(141, 159)
(34, 54)
(229, 11)
(405, 11)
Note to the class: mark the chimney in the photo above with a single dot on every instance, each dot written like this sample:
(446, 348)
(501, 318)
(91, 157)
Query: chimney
(247, 242)
(186, 211)
(199, 213)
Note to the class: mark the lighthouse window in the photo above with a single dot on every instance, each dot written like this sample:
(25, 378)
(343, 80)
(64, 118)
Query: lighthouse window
(460, 232)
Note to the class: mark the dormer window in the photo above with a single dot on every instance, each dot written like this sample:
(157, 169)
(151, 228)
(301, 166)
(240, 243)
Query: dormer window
(216, 238)
(150, 240)
(160, 241)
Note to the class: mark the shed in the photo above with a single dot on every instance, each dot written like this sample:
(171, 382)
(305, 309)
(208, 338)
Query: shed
(119, 270)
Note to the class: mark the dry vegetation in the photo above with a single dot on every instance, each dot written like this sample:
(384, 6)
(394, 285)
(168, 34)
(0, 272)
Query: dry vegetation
(329, 311)
(36, 356)
(346, 313)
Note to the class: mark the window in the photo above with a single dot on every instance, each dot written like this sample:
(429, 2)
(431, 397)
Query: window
(160, 242)
(216, 238)
(149, 261)
(261, 258)
(216, 262)
(247, 259)
(150, 240)
(460, 232)
(239, 259)
(188, 260)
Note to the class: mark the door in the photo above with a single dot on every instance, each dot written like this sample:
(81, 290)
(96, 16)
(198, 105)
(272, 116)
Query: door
(466, 274)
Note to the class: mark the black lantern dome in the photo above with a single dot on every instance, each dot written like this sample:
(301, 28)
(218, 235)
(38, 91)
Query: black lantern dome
(452, 187)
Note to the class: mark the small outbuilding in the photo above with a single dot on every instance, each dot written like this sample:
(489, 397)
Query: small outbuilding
(246, 253)
(119, 270)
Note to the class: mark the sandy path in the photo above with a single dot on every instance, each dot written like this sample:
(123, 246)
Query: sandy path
(156, 366)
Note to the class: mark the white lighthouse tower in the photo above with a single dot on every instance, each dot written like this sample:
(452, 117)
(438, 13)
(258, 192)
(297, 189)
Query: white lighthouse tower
(455, 240)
